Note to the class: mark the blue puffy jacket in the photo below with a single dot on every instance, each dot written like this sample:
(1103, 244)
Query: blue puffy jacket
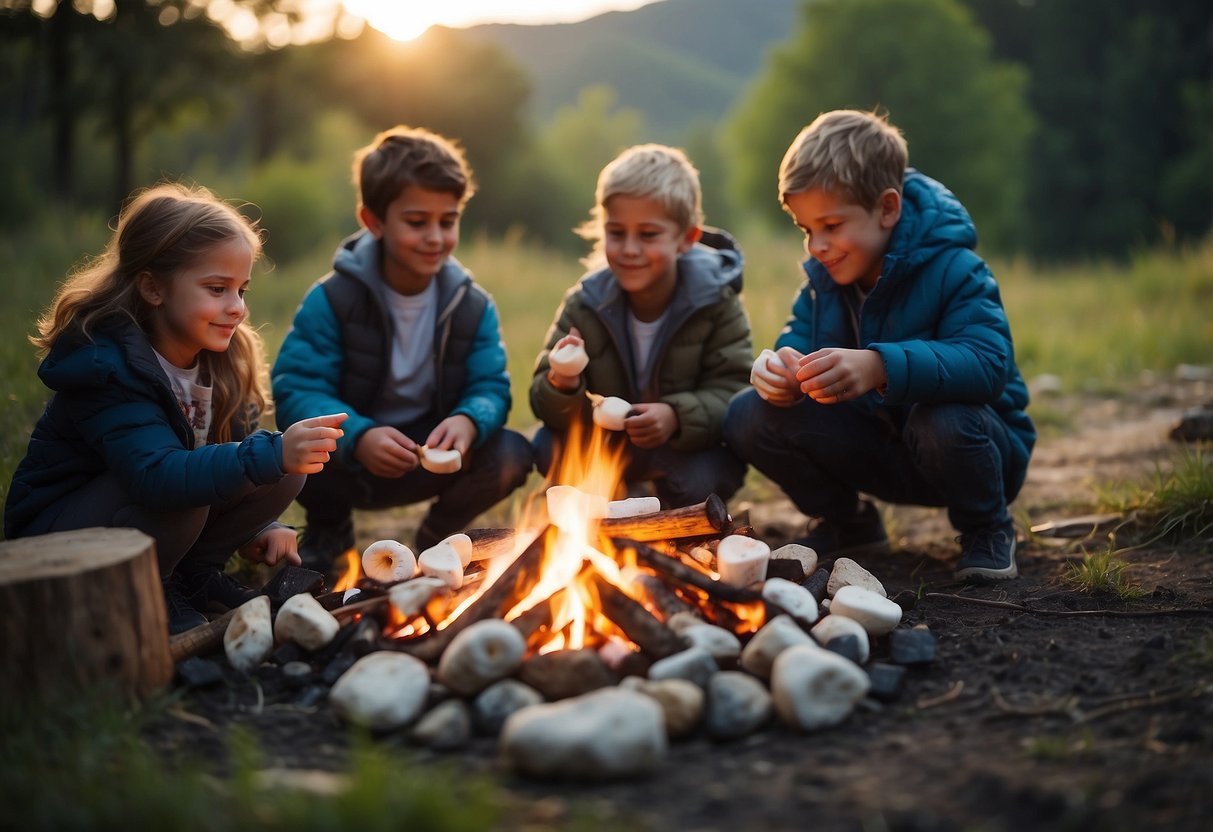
(338, 351)
(935, 316)
(113, 410)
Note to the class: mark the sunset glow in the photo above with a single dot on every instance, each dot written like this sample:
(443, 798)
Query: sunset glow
(406, 19)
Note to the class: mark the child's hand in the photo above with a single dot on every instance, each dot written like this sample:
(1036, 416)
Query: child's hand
(562, 381)
(773, 376)
(835, 375)
(650, 424)
(273, 545)
(458, 432)
(386, 452)
(306, 445)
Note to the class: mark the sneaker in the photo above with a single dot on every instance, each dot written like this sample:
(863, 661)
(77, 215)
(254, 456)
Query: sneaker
(988, 554)
(182, 615)
(862, 534)
(322, 543)
(212, 588)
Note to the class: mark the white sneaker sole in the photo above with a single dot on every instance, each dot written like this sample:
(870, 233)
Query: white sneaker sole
(988, 574)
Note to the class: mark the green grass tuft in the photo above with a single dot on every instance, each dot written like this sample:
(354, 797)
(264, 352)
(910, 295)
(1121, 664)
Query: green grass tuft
(1103, 573)
(1176, 503)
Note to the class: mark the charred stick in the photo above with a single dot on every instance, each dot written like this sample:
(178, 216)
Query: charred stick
(538, 617)
(676, 570)
(652, 636)
(711, 517)
(200, 640)
(664, 599)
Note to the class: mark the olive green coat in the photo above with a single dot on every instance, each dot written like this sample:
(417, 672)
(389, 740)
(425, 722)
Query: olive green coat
(702, 355)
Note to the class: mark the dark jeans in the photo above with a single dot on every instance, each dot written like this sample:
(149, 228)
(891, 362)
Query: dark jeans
(682, 478)
(203, 535)
(490, 473)
(823, 455)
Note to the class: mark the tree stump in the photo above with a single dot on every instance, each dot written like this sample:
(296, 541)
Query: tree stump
(82, 608)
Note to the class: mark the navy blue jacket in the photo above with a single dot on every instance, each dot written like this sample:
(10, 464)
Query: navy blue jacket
(935, 315)
(113, 410)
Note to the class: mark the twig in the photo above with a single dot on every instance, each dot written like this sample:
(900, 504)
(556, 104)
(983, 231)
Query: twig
(1070, 706)
(1146, 700)
(951, 693)
(1008, 605)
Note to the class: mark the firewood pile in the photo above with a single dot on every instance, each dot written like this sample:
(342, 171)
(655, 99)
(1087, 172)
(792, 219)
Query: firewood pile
(586, 640)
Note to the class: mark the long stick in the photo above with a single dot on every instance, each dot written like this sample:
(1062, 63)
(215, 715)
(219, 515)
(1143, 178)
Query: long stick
(677, 570)
(711, 517)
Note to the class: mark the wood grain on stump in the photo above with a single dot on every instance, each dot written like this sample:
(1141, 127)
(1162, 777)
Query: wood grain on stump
(82, 608)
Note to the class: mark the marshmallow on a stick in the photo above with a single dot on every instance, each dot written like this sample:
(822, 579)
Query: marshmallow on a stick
(389, 561)
(610, 412)
(569, 360)
(438, 461)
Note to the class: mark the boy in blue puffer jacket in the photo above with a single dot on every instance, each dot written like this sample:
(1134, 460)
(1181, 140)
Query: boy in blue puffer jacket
(895, 375)
(400, 337)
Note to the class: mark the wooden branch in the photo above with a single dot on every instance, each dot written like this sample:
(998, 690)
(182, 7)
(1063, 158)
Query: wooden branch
(203, 639)
(1010, 605)
(711, 517)
(491, 543)
(676, 570)
(653, 637)
(511, 586)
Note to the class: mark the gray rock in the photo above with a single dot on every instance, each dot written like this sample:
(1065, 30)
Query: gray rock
(813, 688)
(681, 701)
(446, 727)
(777, 635)
(499, 701)
(886, 681)
(694, 664)
(912, 646)
(738, 705)
(381, 691)
(480, 655)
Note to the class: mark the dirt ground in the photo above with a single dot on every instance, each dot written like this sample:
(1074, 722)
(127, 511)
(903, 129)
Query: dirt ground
(1056, 709)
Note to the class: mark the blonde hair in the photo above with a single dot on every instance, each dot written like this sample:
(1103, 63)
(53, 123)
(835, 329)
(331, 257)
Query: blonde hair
(646, 171)
(857, 153)
(403, 156)
(160, 231)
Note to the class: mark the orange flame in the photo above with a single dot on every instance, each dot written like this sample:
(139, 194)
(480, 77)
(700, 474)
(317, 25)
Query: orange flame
(353, 572)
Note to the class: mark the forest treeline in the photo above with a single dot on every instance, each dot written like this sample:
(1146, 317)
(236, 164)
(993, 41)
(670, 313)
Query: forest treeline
(1070, 128)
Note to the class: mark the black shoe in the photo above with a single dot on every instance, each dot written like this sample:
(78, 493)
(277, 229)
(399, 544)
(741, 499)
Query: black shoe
(182, 615)
(988, 554)
(862, 534)
(322, 543)
(212, 588)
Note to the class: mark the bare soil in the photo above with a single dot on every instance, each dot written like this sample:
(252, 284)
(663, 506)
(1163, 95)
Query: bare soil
(1046, 707)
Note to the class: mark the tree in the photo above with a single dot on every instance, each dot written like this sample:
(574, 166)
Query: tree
(924, 61)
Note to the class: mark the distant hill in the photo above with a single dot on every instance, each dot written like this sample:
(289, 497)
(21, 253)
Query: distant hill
(678, 61)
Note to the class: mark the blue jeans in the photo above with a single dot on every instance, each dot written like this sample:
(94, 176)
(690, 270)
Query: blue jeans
(822, 455)
(491, 473)
(682, 478)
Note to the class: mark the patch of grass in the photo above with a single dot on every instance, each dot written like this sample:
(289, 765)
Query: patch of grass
(1176, 503)
(1058, 748)
(84, 765)
(1103, 573)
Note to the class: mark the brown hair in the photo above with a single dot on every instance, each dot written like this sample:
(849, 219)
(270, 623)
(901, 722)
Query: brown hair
(857, 153)
(160, 231)
(404, 156)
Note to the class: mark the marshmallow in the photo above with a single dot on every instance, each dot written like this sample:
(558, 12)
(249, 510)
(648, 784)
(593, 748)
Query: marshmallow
(610, 412)
(388, 561)
(442, 562)
(742, 560)
(633, 507)
(438, 461)
(569, 360)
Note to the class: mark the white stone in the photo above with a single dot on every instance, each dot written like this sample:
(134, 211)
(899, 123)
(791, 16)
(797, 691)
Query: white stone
(480, 655)
(794, 551)
(633, 507)
(680, 621)
(494, 705)
(847, 572)
(607, 734)
(777, 635)
(792, 599)
(835, 625)
(693, 664)
(445, 727)
(742, 560)
(410, 597)
(610, 412)
(303, 621)
(681, 702)
(443, 562)
(814, 688)
(569, 360)
(440, 460)
(462, 544)
(569, 507)
(877, 614)
(381, 691)
(389, 561)
(249, 637)
(719, 642)
(738, 705)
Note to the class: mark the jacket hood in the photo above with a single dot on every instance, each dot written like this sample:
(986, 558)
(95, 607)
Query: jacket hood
(360, 255)
(77, 361)
(702, 273)
(932, 219)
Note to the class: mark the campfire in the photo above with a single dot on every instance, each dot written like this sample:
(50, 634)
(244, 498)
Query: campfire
(597, 619)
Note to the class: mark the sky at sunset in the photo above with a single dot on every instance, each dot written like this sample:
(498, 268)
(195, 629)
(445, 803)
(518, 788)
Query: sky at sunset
(404, 19)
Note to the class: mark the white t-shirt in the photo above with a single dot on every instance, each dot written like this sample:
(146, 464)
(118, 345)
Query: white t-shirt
(194, 398)
(644, 335)
(411, 382)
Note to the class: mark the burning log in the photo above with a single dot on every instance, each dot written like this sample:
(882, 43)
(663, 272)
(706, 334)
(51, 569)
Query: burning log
(81, 607)
(539, 617)
(520, 574)
(652, 636)
(491, 543)
(678, 571)
(663, 599)
(711, 517)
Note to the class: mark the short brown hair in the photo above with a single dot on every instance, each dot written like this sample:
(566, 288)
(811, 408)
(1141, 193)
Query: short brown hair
(855, 152)
(404, 156)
